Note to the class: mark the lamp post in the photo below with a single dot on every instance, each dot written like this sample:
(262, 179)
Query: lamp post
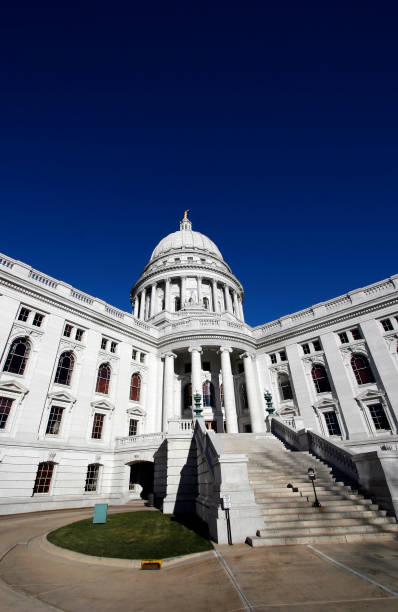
(197, 398)
(312, 477)
(268, 400)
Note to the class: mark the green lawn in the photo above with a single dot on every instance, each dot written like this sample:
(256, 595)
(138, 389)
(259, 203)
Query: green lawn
(134, 535)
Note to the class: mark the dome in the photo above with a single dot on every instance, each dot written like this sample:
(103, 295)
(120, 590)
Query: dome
(185, 239)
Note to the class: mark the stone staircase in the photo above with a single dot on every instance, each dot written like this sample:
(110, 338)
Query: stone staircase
(289, 516)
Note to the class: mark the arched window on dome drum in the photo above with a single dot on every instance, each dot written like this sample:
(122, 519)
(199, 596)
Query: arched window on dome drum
(361, 368)
(320, 378)
(188, 396)
(135, 387)
(177, 304)
(206, 303)
(17, 356)
(208, 394)
(285, 386)
(65, 366)
(103, 378)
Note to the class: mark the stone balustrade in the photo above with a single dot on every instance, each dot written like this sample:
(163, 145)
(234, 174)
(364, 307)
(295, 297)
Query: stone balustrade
(143, 440)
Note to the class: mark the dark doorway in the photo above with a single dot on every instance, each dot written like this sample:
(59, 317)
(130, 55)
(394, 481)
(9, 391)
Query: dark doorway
(141, 473)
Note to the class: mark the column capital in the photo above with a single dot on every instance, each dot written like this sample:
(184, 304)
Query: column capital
(168, 354)
(192, 349)
(168, 280)
(225, 349)
(247, 355)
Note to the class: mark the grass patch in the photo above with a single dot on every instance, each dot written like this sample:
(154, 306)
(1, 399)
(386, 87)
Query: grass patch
(134, 535)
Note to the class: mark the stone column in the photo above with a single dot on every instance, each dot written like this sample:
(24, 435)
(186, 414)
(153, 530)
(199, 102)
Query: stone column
(167, 294)
(199, 281)
(196, 372)
(300, 383)
(237, 314)
(153, 300)
(253, 394)
(136, 306)
(214, 287)
(142, 304)
(183, 290)
(168, 388)
(242, 316)
(227, 298)
(228, 389)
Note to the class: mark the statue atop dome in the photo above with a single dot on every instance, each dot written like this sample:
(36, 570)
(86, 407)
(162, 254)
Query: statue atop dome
(185, 224)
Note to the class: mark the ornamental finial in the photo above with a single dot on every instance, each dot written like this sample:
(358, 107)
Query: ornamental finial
(186, 213)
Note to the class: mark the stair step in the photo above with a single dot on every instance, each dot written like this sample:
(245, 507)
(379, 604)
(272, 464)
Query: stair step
(322, 521)
(318, 515)
(326, 530)
(292, 540)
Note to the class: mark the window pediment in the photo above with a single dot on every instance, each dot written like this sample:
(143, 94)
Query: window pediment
(13, 386)
(325, 403)
(103, 405)
(369, 394)
(62, 396)
(136, 411)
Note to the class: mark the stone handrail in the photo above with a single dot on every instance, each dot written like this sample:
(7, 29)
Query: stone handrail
(178, 426)
(141, 440)
(288, 434)
(334, 454)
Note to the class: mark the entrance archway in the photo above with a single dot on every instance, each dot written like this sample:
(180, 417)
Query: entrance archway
(141, 474)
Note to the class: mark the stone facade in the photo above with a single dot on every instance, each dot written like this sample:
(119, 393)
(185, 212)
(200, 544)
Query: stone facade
(87, 390)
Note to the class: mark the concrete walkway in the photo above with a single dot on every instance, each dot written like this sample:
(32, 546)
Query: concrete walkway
(290, 578)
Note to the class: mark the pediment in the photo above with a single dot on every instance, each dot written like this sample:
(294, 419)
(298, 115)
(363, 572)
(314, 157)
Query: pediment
(368, 394)
(103, 405)
(62, 396)
(136, 411)
(325, 403)
(13, 386)
(287, 410)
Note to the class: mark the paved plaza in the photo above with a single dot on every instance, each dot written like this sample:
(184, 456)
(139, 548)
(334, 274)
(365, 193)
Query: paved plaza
(232, 578)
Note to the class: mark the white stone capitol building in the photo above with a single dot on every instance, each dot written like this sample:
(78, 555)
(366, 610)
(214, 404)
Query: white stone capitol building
(91, 395)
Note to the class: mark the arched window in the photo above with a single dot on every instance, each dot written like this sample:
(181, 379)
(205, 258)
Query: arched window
(206, 303)
(285, 387)
(103, 378)
(43, 477)
(320, 378)
(208, 394)
(222, 394)
(65, 368)
(361, 369)
(135, 387)
(188, 396)
(17, 356)
(243, 395)
(177, 304)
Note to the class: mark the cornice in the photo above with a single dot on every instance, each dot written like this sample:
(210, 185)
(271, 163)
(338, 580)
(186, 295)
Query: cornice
(232, 340)
(324, 321)
(81, 311)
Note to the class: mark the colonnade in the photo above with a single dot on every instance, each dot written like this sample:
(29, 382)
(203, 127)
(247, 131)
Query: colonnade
(256, 409)
(232, 300)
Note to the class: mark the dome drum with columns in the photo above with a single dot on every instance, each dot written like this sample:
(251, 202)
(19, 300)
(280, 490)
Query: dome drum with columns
(186, 275)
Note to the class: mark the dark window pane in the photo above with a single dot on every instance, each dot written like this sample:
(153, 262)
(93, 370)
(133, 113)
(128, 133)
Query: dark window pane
(320, 379)
(135, 387)
(188, 396)
(387, 325)
(317, 345)
(68, 330)
(282, 355)
(103, 378)
(23, 314)
(332, 423)
(104, 342)
(208, 394)
(65, 369)
(113, 347)
(379, 417)
(343, 338)
(43, 477)
(5, 407)
(272, 357)
(356, 334)
(285, 387)
(92, 477)
(306, 349)
(17, 356)
(38, 319)
(54, 420)
(361, 369)
(79, 334)
(98, 424)
(133, 427)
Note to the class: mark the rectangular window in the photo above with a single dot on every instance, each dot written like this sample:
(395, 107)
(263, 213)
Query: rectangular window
(272, 357)
(332, 423)
(306, 349)
(68, 330)
(190, 258)
(5, 407)
(38, 319)
(133, 427)
(282, 355)
(92, 477)
(43, 477)
(206, 366)
(142, 357)
(356, 334)
(104, 343)
(317, 345)
(113, 347)
(387, 325)
(134, 354)
(343, 337)
(378, 415)
(54, 420)
(23, 314)
(98, 424)
(79, 334)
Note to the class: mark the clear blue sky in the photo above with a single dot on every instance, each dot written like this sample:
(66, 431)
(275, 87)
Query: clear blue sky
(275, 123)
